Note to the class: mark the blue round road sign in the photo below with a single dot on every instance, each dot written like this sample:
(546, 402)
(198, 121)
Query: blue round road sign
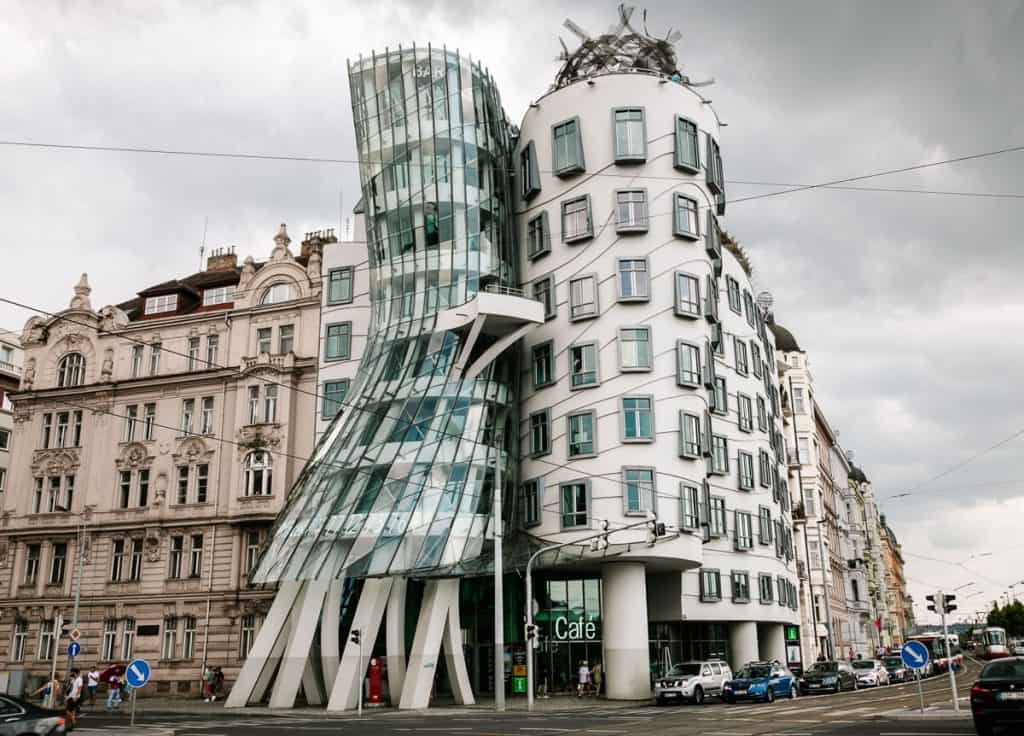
(138, 672)
(914, 654)
(74, 649)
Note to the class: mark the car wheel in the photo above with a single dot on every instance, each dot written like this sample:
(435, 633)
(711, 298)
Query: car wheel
(982, 727)
(769, 696)
(698, 695)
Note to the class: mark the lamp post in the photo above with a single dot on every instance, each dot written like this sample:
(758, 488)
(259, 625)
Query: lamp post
(78, 575)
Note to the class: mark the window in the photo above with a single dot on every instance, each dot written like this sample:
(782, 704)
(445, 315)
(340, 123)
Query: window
(176, 553)
(583, 365)
(575, 498)
(170, 641)
(713, 164)
(687, 148)
(148, 421)
(195, 558)
(804, 451)
(716, 518)
(339, 341)
(212, 343)
(248, 634)
(687, 295)
(631, 210)
(258, 478)
(216, 295)
(117, 560)
(544, 292)
(748, 307)
(62, 429)
(687, 364)
(540, 433)
(762, 414)
(334, 397)
(47, 429)
(764, 525)
(720, 397)
(206, 415)
(755, 359)
(719, 455)
(634, 280)
(135, 561)
(339, 285)
(128, 639)
(193, 353)
(264, 337)
(58, 563)
(202, 482)
(583, 297)
(279, 292)
(161, 304)
(746, 470)
(532, 503)
(130, 420)
(254, 404)
(630, 134)
(687, 220)
(71, 370)
(137, 351)
(765, 462)
(798, 400)
(538, 236)
(576, 221)
(691, 444)
(270, 403)
(691, 507)
(639, 490)
(744, 530)
(188, 410)
(711, 300)
(528, 171)
(740, 349)
(733, 289)
(637, 419)
(124, 488)
(746, 413)
(154, 358)
(143, 487)
(765, 584)
(740, 587)
(567, 148)
(188, 637)
(108, 647)
(581, 434)
(37, 497)
(3, 479)
(47, 639)
(285, 339)
(710, 585)
(634, 348)
(20, 639)
(543, 364)
(713, 239)
(183, 473)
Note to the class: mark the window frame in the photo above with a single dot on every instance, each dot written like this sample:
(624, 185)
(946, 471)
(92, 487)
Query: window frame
(677, 159)
(578, 163)
(745, 479)
(595, 284)
(641, 208)
(592, 413)
(546, 450)
(328, 399)
(529, 171)
(581, 235)
(697, 310)
(342, 355)
(551, 304)
(720, 397)
(629, 157)
(593, 344)
(622, 419)
(585, 482)
(677, 230)
(528, 521)
(643, 282)
(714, 466)
(341, 272)
(626, 469)
(744, 413)
(740, 581)
(541, 220)
(623, 368)
(706, 575)
(696, 421)
(549, 345)
(689, 506)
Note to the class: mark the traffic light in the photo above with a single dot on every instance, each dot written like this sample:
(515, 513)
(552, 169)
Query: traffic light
(947, 602)
(354, 636)
(531, 632)
(931, 603)
(655, 529)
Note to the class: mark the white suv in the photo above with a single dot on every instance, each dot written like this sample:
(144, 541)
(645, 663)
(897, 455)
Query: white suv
(692, 681)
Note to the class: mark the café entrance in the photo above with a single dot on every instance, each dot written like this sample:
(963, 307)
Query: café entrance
(569, 622)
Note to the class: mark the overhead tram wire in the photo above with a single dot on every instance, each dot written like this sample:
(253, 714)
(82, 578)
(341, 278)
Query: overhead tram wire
(894, 190)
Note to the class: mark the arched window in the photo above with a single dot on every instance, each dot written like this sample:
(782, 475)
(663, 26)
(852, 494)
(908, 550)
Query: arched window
(71, 370)
(258, 473)
(282, 291)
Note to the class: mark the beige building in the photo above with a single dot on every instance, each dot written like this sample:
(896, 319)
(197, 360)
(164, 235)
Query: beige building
(10, 377)
(154, 444)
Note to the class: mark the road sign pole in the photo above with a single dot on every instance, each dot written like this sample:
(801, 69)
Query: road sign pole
(940, 600)
(58, 623)
(361, 674)
(134, 695)
(920, 691)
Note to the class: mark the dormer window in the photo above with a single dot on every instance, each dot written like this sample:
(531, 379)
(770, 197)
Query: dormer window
(279, 292)
(161, 304)
(216, 295)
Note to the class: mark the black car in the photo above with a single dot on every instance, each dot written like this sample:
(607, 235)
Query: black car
(18, 717)
(997, 698)
(828, 677)
(898, 671)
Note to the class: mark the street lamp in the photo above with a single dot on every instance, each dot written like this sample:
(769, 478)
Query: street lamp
(78, 576)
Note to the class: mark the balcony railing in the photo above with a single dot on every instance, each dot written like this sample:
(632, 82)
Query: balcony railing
(506, 291)
(10, 368)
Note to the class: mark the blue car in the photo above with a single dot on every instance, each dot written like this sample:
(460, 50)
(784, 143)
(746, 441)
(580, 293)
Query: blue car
(762, 681)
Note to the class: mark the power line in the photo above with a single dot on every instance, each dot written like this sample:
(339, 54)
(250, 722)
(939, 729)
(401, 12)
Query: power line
(993, 195)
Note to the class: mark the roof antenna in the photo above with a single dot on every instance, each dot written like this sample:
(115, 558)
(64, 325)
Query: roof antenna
(202, 247)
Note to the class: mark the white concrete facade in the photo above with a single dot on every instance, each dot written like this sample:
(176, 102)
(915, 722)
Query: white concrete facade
(10, 377)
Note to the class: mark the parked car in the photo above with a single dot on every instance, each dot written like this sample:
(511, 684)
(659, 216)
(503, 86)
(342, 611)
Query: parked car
(762, 681)
(997, 697)
(692, 681)
(829, 676)
(18, 717)
(898, 671)
(1017, 647)
(870, 672)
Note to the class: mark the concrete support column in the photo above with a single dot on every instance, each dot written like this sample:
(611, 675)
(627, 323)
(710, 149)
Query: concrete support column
(624, 618)
(771, 642)
(742, 643)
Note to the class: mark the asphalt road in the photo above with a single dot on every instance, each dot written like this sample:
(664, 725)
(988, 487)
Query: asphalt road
(860, 713)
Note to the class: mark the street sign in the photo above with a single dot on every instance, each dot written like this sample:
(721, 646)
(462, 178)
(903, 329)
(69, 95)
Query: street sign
(914, 654)
(138, 673)
(74, 649)
(519, 685)
(75, 634)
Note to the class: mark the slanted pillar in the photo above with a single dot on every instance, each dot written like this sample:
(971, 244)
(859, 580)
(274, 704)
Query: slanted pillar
(296, 667)
(369, 612)
(394, 638)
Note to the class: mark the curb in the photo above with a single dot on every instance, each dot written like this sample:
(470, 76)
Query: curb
(930, 713)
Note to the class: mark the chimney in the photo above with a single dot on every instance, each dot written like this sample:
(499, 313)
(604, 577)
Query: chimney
(316, 240)
(222, 259)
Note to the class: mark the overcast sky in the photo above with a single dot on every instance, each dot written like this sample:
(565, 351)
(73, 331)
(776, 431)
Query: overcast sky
(908, 305)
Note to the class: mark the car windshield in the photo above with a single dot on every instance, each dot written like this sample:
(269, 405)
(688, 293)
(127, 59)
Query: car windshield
(753, 671)
(893, 662)
(820, 667)
(689, 669)
(863, 664)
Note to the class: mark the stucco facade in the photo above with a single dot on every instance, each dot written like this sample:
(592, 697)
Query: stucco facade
(10, 377)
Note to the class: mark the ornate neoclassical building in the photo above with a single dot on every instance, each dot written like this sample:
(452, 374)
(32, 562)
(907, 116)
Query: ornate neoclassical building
(156, 440)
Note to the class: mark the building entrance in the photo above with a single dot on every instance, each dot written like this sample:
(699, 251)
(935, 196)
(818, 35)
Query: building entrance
(569, 622)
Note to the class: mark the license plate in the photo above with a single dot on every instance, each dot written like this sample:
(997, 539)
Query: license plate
(741, 692)
(1011, 696)
(669, 695)
(814, 686)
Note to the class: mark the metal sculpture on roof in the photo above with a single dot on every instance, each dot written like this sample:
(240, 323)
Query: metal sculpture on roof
(622, 48)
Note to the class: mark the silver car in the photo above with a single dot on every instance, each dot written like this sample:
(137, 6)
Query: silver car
(18, 718)
(692, 681)
(870, 672)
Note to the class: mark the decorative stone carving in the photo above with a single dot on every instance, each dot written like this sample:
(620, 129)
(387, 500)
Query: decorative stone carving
(133, 456)
(82, 291)
(112, 319)
(64, 461)
(5, 549)
(281, 241)
(192, 450)
(34, 332)
(153, 543)
(248, 274)
(268, 364)
(108, 366)
(160, 489)
(313, 267)
(257, 437)
(28, 374)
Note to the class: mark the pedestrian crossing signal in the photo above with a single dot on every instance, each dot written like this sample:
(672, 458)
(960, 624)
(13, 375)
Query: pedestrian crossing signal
(355, 636)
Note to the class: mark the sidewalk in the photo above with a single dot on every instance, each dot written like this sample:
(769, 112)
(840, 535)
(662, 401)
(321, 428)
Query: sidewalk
(943, 711)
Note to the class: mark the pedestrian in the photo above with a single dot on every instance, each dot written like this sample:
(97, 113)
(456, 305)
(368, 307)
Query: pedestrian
(211, 677)
(114, 693)
(597, 675)
(584, 679)
(218, 682)
(73, 698)
(48, 691)
(92, 682)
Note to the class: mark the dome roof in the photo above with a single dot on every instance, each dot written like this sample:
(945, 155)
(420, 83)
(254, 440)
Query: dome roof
(784, 339)
(857, 475)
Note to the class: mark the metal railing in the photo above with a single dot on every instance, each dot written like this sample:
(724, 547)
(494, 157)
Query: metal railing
(508, 291)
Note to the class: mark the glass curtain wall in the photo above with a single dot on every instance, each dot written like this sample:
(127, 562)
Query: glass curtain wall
(402, 482)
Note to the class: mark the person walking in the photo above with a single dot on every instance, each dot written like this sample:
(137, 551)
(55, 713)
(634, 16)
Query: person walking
(597, 676)
(92, 681)
(218, 682)
(584, 679)
(73, 698)
(114, 693)
(49, 691)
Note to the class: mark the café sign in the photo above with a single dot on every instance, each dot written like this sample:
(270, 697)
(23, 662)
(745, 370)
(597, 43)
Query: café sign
(583, 630)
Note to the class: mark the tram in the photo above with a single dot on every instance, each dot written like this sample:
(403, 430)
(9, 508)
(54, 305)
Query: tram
(992, 644)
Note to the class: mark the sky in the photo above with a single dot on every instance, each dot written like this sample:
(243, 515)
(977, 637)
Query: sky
(908, 305)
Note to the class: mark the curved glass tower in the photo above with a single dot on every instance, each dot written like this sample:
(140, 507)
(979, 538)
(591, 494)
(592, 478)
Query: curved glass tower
(402, 482)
